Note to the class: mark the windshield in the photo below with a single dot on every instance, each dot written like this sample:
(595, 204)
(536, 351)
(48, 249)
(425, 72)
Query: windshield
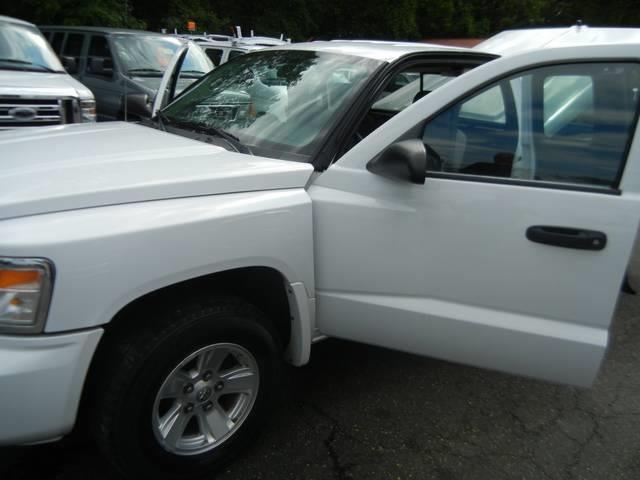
(280, 103)
(145, 55)
(23, 47)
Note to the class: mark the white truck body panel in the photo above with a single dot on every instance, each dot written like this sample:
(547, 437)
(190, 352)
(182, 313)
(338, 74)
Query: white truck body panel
(58, 366)
(445, 269)
(116, 163)
(106, 257)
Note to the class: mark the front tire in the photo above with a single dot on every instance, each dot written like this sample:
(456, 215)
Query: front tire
(183, 395)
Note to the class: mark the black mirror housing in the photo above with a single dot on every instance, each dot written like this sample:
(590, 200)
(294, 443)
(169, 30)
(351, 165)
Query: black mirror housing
(138, 105)
(405, 160)
(70, 64)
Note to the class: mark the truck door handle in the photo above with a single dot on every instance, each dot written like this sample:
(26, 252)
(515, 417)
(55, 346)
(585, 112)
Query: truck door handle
(567, 237)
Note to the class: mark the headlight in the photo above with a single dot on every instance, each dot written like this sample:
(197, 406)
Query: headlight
(88, 108)
(25, 292)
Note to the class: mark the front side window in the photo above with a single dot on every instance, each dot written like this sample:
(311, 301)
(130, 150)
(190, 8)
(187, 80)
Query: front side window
(23, 47)
(568, 124)
(100, 60)
(279, 103)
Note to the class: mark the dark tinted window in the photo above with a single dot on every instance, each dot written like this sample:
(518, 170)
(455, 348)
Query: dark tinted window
(73, 45)
(567, 123)
(235, 53)
(99, 47)
(215, 55)
(56, 41)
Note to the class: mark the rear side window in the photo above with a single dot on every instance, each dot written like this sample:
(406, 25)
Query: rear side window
(568, 124)
(215, 55)
(73, 45)
(56, 41)
(235, 53)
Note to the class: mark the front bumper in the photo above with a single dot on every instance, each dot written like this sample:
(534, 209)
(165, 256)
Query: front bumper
(41, 380)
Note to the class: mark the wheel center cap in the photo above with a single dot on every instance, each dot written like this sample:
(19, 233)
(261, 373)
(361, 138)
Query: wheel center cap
(204, 394)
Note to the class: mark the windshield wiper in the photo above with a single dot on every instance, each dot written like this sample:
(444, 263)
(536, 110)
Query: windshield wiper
(25, 62)
(215, 131)
(145, 70)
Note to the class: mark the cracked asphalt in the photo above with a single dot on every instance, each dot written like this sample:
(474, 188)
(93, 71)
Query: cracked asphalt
(360, 412)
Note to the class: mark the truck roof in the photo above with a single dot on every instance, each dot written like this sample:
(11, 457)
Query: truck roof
(516, 41)
(6, 19)
(374, 49)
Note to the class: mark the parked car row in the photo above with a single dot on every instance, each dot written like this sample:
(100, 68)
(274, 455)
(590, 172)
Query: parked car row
(116, 67)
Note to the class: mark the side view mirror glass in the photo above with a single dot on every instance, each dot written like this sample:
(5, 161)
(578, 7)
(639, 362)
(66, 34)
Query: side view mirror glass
(70, 64)
(405, 160)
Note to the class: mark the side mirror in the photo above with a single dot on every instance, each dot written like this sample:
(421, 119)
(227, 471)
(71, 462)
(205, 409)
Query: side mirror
(404, 160)
(138, 105)
(70, 64)
(101, 66)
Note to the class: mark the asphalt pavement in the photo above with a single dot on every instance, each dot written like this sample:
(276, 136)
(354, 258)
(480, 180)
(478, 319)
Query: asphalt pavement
(360, 412)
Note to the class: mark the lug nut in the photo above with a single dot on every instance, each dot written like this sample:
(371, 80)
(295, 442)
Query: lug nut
(188, 408)
(188, 388)
(207, 406)
(218, 386)
(207, 375)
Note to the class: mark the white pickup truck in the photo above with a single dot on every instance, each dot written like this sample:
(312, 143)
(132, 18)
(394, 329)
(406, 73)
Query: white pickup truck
(153, 276)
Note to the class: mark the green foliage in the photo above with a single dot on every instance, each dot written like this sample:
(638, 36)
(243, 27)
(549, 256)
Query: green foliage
(110, 13)
(305, 19)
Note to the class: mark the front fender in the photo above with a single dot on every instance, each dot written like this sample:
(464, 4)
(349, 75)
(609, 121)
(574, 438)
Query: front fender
(107, 257)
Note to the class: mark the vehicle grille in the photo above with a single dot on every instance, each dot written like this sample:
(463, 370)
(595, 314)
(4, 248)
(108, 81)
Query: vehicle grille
(24, 112)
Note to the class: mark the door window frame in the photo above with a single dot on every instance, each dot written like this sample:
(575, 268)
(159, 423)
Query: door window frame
(338, 141)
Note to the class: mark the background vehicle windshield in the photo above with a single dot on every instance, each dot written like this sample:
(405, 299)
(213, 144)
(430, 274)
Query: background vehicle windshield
(145, 54)
(279, 102)
(23, 47)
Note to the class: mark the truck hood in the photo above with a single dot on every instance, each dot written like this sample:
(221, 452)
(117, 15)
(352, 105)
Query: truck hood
(52, 169)
(31, 84)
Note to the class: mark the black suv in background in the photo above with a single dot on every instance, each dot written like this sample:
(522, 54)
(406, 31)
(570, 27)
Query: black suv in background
(116, 62)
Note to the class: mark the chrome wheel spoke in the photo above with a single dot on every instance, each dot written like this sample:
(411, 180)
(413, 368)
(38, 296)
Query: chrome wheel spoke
(211, 360)
(173, 423)
(174, 386)
(239, 380)
(215, 423)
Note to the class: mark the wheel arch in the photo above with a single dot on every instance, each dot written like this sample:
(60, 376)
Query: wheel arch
(266, 288)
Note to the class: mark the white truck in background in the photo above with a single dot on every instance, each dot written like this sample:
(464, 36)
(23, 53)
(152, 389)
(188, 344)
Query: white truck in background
(35, 89)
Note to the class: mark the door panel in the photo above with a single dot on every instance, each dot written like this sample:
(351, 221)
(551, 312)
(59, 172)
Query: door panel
(446, 269)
